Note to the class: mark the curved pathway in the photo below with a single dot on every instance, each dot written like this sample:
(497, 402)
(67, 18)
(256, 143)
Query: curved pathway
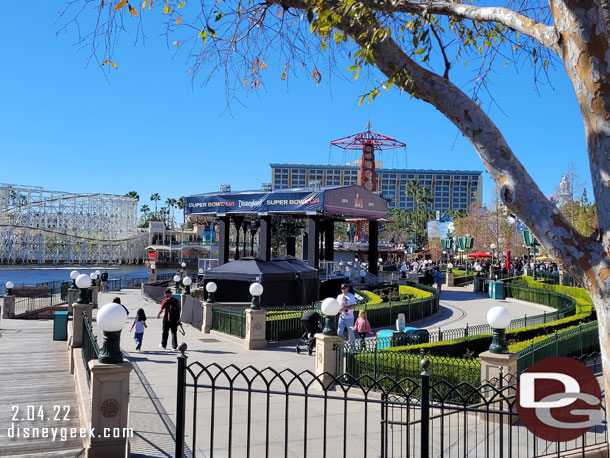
(460, 306)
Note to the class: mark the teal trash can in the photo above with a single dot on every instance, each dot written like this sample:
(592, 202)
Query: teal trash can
(499, 291)
(492, 289)
(60, 326)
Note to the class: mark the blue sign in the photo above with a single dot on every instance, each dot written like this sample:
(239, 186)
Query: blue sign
(256, 202)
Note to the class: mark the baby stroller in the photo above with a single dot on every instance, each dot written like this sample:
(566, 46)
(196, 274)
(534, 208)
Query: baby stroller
(311, 324)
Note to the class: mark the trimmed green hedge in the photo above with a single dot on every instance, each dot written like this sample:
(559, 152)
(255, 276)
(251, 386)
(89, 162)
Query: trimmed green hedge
(474, 345)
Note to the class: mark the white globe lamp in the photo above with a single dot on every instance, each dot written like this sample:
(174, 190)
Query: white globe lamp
(93, 277)
(211, 289)
(73, 275)
(187, 282)
(176, 278)
(499, 320)
(83, 282)
(330, 307)
(9, 287)
(449, 267)
(111, 318)
(256, 290)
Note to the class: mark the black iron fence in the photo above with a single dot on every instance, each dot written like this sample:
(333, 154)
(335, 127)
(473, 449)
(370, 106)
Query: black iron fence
(24, 305)
(580, 340)
(284, 323)
(229, 321)
(90, 348)
(249, 412)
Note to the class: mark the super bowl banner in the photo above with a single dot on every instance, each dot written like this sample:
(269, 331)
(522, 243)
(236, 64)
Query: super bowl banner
(293, 201)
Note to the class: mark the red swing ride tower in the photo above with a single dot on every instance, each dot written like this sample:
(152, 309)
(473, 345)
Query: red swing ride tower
(367, 141)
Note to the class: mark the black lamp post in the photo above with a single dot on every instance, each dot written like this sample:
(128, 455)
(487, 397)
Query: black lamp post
(211, 289)
(111, 319)
(83, 282)
(330, 307)
(499, 319)
(256, 290)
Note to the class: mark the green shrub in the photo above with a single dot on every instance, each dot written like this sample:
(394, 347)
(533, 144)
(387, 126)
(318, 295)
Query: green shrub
(413, 292)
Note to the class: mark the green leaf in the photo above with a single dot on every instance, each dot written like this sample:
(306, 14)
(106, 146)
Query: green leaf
(212, 31)
(204, 35)
(181, 4)
(323, 44)
(218, 16)
(309, 16)
(420, 51)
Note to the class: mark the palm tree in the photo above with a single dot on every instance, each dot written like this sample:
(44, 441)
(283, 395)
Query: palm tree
(182, 205)
(171, 203)
(155, 198)
(145, 209)
(133, 194)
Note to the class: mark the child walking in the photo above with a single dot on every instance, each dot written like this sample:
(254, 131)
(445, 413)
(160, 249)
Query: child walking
(140, 323)
(362, 326)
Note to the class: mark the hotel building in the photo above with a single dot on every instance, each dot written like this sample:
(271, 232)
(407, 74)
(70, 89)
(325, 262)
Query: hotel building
(449, 189)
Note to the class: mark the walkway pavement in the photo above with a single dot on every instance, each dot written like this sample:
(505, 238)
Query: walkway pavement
(155, 370)
(36, 391)
(460, 306)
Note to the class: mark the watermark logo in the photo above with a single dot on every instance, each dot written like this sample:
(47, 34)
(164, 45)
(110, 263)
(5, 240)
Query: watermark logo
(559, 399)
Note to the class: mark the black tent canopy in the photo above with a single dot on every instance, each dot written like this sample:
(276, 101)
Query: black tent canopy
(286, 281)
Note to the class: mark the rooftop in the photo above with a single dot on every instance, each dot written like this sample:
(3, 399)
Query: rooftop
(380, 170)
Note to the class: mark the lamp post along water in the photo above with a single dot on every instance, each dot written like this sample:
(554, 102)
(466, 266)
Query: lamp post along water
(211, 289)
(83, 282)
(111, 318)
(499, 319)
(177, 279)
(330, 307)
(93, 277)
(9, 287)
(256, 290)
(73, 275)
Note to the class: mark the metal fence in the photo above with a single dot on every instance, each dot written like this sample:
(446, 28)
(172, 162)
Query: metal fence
(229, 321)
(554, 278)
(24, 305)
(284, 323)
(577, 341)
(90, 348)
(232, 411)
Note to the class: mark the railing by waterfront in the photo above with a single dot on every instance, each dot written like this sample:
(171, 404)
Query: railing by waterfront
(90, 348)
(229, 321)
(24, 305)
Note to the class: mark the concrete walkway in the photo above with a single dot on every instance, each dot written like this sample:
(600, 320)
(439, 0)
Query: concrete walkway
(460, 306)
(155, 370)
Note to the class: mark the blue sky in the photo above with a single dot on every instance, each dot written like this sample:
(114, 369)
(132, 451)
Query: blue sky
(63, 126)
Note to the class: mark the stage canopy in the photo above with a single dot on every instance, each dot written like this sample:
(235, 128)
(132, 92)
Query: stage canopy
(340, 201)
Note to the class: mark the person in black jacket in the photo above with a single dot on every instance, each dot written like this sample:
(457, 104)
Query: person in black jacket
(104, 282)
(170, 307)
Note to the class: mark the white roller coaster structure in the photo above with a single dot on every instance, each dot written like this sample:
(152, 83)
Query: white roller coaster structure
(38, 226)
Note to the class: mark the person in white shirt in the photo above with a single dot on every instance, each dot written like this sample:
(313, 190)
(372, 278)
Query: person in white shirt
(346, 319)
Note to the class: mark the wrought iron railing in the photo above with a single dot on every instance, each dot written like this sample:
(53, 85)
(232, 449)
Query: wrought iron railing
(577, 341)
(90, 348)
(267, 412)
(284, 323)
(229, 321)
